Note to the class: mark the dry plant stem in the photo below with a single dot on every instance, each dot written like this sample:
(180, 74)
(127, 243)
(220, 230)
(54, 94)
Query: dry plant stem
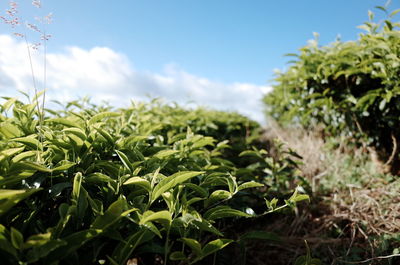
(32, 71)
(371, 259)
(38, 157)
(394, 151)
(44, 80)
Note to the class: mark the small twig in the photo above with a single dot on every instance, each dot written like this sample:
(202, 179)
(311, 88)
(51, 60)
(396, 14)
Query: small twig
(394, 151)
(353, 236)
(371, 259)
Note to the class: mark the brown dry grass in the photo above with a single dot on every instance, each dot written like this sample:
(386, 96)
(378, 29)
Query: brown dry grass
(307, 144)
(353, 208)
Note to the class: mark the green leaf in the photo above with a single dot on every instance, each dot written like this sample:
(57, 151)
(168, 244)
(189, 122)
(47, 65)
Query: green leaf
(163, 217)
(103, 115)
(215, 245)
(250, 184)
(115, 212)
(9, 198)
(37, 240)
(65, 122)
(171, 181)
(132, 140)
(381, 8)
(205, 225)
(27, 165)
(141, 182)
(193, 244)
(151, 227)
(223, 212)
(17, 239)
(217, 196)
(199, 190)
(204, 141)
(5, 243)
(177, 255)
(15, 178)
(64, 166)
(10, 152)
(42, 250)
(76, 131)
(298, 197)
(76, 187)
(9, 130)
(7, 105)
(125, 160)
(29, 141)
(250, 153)
(98, 178)
(212, 247)
(394, 12)
(106, 136)
(23, 156)
(165, 153)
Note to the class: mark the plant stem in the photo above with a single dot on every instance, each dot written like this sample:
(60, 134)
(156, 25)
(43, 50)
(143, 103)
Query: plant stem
(44, 75)
(166, 247)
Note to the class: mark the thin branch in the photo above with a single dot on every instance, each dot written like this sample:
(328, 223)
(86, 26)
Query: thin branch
(394, 151)
(371, 259)
(44, 75)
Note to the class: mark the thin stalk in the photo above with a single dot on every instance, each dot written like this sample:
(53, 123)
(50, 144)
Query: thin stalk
(32, 72)
(38, 157)
(215, 258)
(44, 74)
(166, 246)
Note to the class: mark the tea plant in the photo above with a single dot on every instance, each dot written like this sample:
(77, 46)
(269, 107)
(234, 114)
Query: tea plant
(352, 88)
(108, 186)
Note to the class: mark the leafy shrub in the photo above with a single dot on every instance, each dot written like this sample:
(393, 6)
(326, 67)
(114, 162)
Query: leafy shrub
(93, 185)
(352, 88)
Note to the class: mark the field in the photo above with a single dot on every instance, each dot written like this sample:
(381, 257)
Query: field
(158, 183)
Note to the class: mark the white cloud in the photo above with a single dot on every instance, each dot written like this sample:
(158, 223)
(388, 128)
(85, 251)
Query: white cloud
(104, 74)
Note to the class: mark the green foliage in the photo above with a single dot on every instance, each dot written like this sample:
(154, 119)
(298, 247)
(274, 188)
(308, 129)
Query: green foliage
(94, 185)
(351, 88)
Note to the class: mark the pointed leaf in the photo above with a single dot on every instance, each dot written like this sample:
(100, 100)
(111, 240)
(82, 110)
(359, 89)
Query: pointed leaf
(125, 160)
(29, 141)
(64, 122)
(165, 153)
(250, 184)
(223, 212)
(217, 196)
(163, 217)
(27, 165)
(17, 239)
(103, 115)
(9, 198)
(193, 244)
(139, 182)
(171, 181)
(115, 211)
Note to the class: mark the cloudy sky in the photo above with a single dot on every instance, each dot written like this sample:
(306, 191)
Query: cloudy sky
(219, 54)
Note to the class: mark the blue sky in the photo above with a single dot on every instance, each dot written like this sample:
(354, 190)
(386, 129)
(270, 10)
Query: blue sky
(217, 43)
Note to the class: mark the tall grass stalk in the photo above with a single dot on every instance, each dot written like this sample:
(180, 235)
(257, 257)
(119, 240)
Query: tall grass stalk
(13, 20)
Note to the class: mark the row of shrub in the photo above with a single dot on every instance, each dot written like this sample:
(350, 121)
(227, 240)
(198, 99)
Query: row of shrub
(86, 184)
(351, 89)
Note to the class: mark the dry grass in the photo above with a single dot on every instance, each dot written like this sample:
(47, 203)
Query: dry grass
(354, 215)
(307, 144)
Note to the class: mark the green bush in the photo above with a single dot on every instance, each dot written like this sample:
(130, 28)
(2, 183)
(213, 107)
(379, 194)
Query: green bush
(351, 88)
(89, 185)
